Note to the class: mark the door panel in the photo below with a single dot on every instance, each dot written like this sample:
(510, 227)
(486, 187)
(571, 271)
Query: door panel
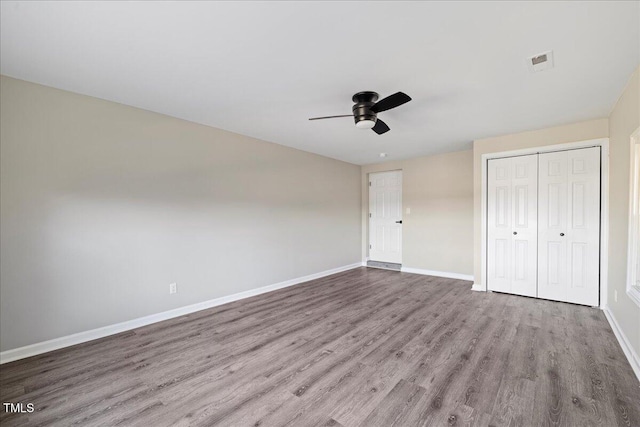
(385, 209)
(499, 225)
(578, 265)
(553, 202)
(522, 213)
(502, 207)
(501, 261)
(525, 225)
(569, 229)
(512, 222)
(578, 204)
(552, 259)
(520, 259)
(395, 239)
(584, 226)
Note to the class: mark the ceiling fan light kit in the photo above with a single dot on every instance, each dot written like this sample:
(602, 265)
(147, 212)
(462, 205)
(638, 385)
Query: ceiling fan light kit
(366, 109)
(365, 123)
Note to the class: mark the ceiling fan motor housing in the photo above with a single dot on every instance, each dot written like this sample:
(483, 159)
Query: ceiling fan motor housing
(362, 108)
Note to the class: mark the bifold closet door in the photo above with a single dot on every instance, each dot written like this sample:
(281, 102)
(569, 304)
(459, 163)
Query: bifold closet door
(512, 225)
(569, 226)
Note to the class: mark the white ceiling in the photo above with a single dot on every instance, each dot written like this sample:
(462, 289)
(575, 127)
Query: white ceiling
(263, 68)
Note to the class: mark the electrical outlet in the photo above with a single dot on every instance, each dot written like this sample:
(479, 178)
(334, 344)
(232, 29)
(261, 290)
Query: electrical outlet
(408, 211)
(173, 288)
(615, 296)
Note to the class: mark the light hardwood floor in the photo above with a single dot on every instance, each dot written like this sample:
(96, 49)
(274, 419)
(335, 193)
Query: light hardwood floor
(362, 348)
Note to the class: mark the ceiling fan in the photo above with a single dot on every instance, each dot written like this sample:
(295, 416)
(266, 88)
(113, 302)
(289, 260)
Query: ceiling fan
(366, 109)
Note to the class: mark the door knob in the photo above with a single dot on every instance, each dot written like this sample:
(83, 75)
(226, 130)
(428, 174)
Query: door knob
(515, 232)
(561, 234)
(399, 222)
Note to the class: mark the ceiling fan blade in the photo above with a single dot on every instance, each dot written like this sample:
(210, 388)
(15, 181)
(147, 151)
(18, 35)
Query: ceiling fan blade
(330, 117)
(391, 101)
(380, 127)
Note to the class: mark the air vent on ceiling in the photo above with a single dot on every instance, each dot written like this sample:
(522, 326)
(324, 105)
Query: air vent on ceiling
(540, 62)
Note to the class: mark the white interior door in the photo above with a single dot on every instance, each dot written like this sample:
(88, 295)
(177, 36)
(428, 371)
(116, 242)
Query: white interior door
(569, 226)
(512, 225)
(385, 217)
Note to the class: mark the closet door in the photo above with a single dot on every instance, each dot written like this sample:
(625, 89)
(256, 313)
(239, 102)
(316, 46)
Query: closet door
(512, 225)
(569, 226)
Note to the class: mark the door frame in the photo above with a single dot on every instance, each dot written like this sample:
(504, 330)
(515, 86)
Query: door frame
(603, 143)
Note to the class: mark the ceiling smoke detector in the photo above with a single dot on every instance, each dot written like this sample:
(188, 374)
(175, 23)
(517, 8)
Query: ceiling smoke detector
(541, 62)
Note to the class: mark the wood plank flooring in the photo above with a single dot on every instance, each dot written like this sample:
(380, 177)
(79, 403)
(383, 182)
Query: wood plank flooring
(362, 348)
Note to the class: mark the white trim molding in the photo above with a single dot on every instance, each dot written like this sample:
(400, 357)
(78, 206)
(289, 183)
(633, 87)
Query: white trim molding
(478, 287)
(633, 255)
(603, 143)
(632, 356)
(81, 337)
(448, 275)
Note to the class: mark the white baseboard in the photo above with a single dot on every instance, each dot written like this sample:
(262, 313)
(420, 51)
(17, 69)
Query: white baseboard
(436, 273)
(633, 358)
(81, 337)
(478, 287)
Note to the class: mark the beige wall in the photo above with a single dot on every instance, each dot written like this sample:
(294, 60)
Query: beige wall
(437, 235)
(581, 131)
(104, 205)
(624, 119)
